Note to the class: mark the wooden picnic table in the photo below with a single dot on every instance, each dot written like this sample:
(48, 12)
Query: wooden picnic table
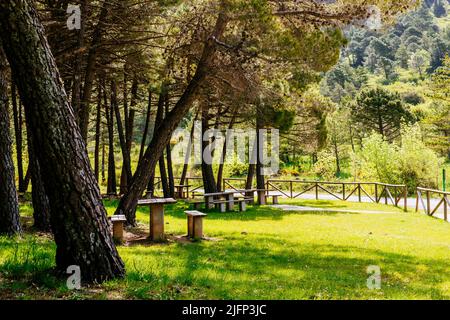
(228, 195)
(156, 206)
(180, 191)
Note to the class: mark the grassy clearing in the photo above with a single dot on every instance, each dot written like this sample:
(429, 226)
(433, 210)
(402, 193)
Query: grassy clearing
(263, 254)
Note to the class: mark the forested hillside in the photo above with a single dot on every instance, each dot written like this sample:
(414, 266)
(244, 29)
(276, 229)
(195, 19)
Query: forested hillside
(383, 112)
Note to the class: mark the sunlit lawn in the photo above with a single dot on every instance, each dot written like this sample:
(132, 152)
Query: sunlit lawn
(264, 253)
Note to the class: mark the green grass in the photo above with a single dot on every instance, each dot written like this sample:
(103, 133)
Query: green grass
(264, 253)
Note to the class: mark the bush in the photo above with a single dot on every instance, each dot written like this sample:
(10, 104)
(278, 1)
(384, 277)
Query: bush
(325, 167)
(412, 163)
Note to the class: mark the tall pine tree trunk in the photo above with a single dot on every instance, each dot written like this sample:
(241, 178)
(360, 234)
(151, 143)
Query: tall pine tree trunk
(17, 115)
(109, 114)
(41, 205)
(209, 182)
(9, 206)
(78, 217)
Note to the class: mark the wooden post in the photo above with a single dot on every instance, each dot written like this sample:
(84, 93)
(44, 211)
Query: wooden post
(292, 189)
(376, 193)
(359, 192)
(157, 222)
(445, 208)
(428, 203)
(405, 194)
(417, 200)
(317, 191)
(343, 191)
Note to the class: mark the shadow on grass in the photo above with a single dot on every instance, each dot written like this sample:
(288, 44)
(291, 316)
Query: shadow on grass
(274, 269)
(261, 267)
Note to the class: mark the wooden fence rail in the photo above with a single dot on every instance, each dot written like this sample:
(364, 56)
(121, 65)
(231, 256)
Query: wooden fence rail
(443, 198)
(376, 192)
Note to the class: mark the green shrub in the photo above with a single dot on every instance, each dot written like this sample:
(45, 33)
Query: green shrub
(412, 163)
(325, 167)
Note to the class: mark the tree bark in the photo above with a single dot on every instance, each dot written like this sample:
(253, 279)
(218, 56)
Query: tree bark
(146, 126)
(170, 176)
(78, 217)
(41, 205)
(17, 116)
(97, 36)
(9, 206)
(97, 134)
(109, 114)
(260, 181)
(209, 182)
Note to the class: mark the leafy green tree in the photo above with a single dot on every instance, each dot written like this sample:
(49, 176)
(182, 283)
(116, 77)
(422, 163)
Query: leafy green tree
(420, 62)
(381, 111)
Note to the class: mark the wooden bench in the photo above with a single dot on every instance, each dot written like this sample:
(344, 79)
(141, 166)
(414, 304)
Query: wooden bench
(118, 222)
(195, 224)
(274, 198)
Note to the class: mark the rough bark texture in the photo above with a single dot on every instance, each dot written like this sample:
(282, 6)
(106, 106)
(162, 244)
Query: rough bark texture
(9, 207)
(109, 113)
(78, 217)
(147, 125)
(120, 128)
(17, 115)
(170, 176)
(209, 182)
(89, 76)
(260, 179)
(162, 136)
(41, 205)
(97, 134)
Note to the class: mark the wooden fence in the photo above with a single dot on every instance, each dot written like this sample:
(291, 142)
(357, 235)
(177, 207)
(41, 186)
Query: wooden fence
(389, 194)
(375, 192)
(429, 195)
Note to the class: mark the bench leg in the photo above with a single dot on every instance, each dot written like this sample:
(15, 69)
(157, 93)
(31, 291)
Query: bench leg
(118, 231)
(222, 207)
(190, 223)
(198, 228)
(242, 206)
(230, 203)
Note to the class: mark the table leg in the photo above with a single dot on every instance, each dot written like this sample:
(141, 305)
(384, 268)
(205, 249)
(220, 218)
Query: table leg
(230, 203)
(209, 202)
(198, 228)
(157, 222)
